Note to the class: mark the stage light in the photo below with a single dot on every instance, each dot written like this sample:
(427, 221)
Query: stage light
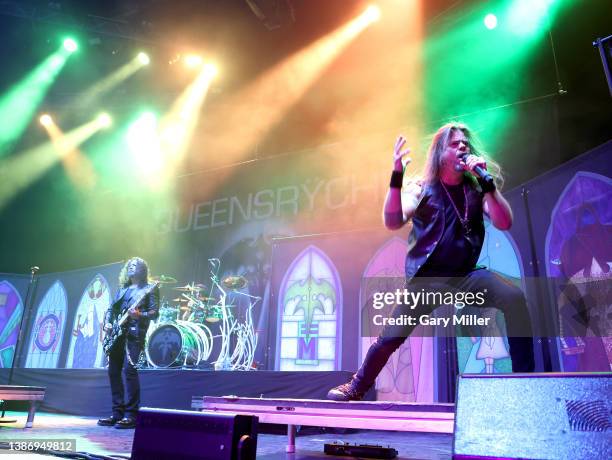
(70, 45)
(45, 119)
(372, 13)
(144, 58)
(192, 61)
(210, 69)
(490, 21)
(104, 120)
(529, 17)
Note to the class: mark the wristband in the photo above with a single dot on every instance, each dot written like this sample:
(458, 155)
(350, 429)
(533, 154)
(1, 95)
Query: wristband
(486, 186)
(397, 179)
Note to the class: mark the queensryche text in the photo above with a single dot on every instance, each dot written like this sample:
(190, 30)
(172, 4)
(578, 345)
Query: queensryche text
(413, 299)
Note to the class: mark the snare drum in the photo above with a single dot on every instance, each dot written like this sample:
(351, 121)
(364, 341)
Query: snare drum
(173, 345)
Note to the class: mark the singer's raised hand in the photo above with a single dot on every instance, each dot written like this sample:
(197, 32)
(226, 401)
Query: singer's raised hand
(400, 157)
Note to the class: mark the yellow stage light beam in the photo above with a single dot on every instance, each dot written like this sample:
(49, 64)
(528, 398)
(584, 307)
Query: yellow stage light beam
(89, 96)
(247, 117)
(77, 166)
(387, 87)
(23, 168)
(177, 126)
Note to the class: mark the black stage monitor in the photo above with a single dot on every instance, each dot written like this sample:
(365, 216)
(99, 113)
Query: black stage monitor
(177, 434)
(535, 416)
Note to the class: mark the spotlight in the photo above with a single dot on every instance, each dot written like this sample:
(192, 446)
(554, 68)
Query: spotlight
(490, 21)
(144, 58)
(70, 45)
(210, 69)
(372, 13)
(104, 120)
(45, 119)
(192, 61)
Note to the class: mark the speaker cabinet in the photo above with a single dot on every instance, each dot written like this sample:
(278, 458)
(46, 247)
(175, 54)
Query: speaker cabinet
(535, 416)
(176, 434)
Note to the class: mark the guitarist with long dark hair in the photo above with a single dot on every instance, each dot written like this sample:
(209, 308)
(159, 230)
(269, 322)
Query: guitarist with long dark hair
(126, 322)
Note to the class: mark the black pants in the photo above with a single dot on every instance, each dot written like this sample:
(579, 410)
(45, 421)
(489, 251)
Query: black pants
(117, 362)
(499, 294)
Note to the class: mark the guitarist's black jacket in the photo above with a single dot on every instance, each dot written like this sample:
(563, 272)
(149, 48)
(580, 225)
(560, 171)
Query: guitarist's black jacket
(149, 309)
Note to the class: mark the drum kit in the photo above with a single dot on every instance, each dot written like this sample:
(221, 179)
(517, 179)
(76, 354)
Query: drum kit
(182, 336)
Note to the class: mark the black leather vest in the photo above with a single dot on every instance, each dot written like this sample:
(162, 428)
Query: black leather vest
(428, 224)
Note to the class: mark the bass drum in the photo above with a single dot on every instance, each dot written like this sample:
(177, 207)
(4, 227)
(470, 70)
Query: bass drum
(174, 344)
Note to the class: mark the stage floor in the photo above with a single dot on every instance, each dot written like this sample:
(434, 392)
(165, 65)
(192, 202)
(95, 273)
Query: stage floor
(110, 441)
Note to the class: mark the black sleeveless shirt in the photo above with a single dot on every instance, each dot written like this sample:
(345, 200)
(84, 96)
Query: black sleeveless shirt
(438, 243)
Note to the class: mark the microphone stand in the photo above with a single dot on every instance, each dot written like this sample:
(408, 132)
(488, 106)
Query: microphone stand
(26, 309)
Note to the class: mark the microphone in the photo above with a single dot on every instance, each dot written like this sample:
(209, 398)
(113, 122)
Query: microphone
(483, 174)
(34, 269)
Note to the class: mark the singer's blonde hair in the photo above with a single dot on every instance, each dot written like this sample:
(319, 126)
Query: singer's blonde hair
(440, 141)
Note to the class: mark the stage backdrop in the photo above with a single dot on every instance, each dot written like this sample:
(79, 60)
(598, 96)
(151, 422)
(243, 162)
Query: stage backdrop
(13, 292)
(64, 315)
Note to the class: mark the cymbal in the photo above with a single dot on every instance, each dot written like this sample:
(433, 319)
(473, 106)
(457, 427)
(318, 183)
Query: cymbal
(234, 282)
(190, 287)
(203, 298)
(164, 279)
(180, 299)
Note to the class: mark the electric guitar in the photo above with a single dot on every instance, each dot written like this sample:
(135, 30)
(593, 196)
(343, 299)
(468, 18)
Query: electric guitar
(117, 331)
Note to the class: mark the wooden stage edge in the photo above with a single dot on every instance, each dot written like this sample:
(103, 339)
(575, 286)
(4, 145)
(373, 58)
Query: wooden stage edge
(373, 415)
(23, 393)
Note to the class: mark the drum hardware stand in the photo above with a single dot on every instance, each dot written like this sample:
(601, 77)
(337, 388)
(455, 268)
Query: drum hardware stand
(243, 354)
(195, 337)
(26, 310)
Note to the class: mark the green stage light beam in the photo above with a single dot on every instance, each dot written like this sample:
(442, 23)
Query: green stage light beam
(529, 18)
(143, 143)
(490, 74)
(18, 106)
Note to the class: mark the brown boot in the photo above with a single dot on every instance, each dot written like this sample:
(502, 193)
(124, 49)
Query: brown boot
(346, 392)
